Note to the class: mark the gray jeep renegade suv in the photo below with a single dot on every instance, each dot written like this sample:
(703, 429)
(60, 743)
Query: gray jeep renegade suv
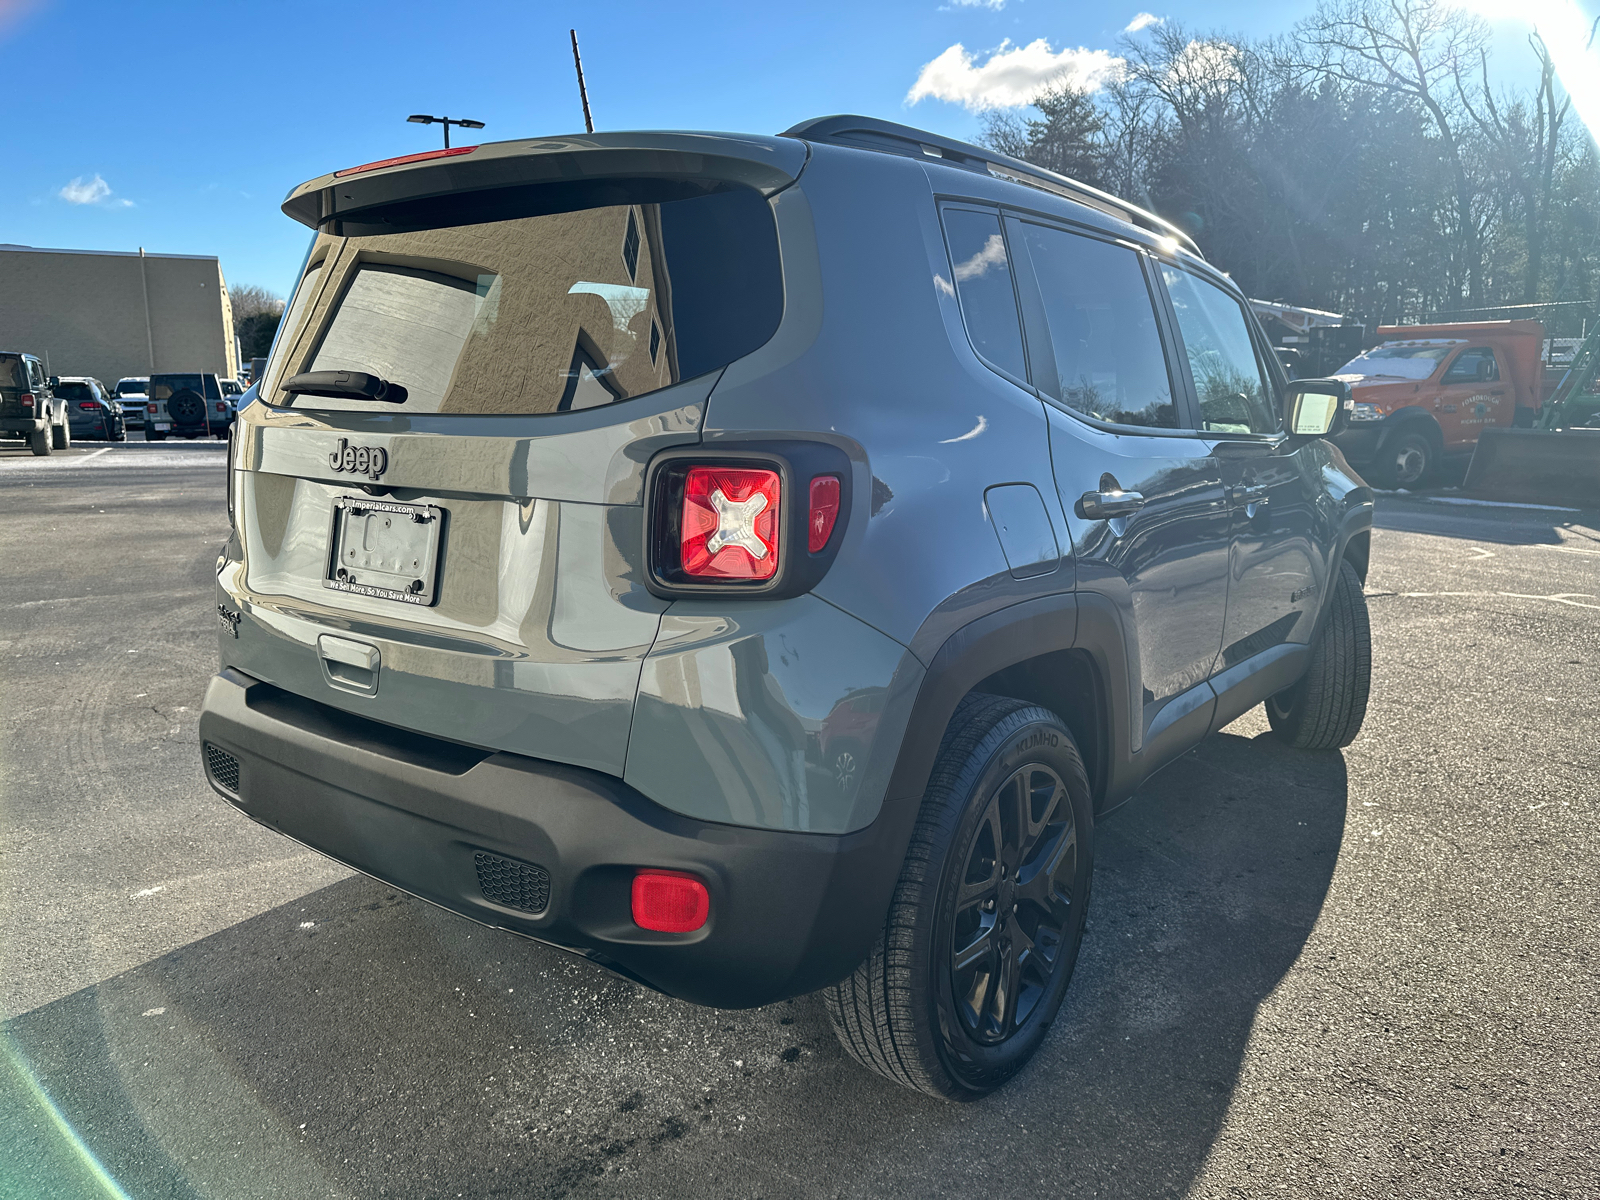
(756, 564)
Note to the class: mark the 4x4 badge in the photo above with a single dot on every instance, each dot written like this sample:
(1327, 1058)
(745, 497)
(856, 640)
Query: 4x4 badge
(360, 460)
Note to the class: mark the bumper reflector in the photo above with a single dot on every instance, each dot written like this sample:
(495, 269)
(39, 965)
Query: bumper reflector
(669, 902)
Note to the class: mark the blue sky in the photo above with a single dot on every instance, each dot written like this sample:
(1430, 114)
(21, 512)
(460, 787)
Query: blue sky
(196, 118)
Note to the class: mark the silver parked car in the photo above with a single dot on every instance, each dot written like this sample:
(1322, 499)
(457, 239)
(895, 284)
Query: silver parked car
(757, 563)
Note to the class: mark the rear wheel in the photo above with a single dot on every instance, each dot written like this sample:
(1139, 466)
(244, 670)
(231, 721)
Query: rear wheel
(1324, 711)
(985, 923)
(60, 436)
(1406, 461)
(41, 443)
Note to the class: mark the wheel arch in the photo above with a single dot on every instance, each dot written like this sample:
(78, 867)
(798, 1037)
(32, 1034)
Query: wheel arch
(1411, 420)
(1064, 652)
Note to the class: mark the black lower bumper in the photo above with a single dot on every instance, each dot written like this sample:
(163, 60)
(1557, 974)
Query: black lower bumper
(790, 912)
(23, 425)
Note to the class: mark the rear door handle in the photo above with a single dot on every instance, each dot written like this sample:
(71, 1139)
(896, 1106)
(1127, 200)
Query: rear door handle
(1249, 493)
(1099, 506)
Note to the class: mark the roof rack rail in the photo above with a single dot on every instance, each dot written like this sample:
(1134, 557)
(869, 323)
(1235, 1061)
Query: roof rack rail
(870, 133)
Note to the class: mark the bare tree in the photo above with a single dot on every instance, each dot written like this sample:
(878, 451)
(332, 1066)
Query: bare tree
(1527, 150)
(251, 300)
(1419, 49)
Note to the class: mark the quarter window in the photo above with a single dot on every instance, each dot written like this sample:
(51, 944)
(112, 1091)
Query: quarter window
(1109, 360)
(982, 274)
(1476, 365)
(1233, 392)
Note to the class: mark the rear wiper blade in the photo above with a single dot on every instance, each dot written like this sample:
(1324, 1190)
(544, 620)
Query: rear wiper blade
(346, 385)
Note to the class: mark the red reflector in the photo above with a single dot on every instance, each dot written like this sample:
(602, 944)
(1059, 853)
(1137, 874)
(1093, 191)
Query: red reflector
(669, 902)
(404, 158)
(26, 399)
(730, 523)
(824, 511)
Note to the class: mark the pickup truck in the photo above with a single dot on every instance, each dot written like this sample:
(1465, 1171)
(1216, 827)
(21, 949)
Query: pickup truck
(1424, 393)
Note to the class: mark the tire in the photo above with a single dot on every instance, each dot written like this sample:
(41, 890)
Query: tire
(61, 436)
(42, 443)
(1406, 461)
(916, 1011)
(185, 407)
(1324, 711)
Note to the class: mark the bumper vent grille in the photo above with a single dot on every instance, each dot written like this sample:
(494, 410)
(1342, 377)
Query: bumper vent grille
(223, 768)
(511, 883)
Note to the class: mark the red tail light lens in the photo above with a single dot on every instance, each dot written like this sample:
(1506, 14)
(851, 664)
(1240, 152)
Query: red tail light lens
(151, 408)
(824, 511)
(222, 408)
(88, 404)
(26, 399)
(729, 525)
(669, 902)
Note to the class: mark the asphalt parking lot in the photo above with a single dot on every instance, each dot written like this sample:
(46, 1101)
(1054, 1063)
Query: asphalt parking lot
(1369, 973)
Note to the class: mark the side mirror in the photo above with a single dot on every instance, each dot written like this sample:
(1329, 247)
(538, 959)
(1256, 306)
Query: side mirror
(55, 382)
(1316, 407)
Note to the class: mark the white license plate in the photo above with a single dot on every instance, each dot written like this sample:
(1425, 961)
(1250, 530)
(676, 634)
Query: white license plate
(161, 425)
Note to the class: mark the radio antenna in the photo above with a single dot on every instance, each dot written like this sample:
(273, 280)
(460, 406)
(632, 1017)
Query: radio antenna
(583, 92)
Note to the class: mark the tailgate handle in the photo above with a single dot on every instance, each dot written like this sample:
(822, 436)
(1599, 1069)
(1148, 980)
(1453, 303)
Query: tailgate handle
(349, 665)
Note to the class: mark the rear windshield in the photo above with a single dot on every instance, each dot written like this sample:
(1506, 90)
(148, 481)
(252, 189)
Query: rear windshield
(76, 391)
(542, 313)
(164, 387)
(12, 373)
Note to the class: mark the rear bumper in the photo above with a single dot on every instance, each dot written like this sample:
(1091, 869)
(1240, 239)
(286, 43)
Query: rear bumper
(23, 424)
(790, 912)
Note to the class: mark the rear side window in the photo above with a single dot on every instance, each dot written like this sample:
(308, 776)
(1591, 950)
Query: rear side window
(541, 313)
(164, 387)
(13, 374)
(982, 274)
(1476, 365)
(1109, 360)
(1233, 392)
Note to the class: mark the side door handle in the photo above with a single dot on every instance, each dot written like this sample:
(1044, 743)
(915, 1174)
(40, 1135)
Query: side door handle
(1248, 493)
(1099, 506)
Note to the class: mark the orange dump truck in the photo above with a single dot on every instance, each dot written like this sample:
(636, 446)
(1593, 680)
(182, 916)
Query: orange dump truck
(1425, 392)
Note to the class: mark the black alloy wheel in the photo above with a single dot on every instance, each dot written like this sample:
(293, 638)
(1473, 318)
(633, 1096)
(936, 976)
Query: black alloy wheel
(1013, 911)
(987, 916)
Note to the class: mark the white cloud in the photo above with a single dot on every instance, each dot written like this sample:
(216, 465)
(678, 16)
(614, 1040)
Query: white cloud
(1012, 76)
(994, 4)
(87, 189)
(1143, 21)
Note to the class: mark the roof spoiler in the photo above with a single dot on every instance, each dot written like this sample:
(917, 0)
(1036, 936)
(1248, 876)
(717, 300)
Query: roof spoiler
(766, 164)
(870, 133)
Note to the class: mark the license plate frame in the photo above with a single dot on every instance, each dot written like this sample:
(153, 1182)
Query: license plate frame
(368, 559)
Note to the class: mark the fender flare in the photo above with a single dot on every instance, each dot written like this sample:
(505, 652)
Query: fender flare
(1410, 419)
(1012, 637)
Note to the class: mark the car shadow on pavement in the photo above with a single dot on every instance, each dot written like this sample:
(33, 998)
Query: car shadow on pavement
(1507, 525)
(359, 1043)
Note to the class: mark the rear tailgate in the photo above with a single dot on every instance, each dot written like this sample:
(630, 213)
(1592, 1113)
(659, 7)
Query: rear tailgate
(468, 562)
